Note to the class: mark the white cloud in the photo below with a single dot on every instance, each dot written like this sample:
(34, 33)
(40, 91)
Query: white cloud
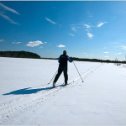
(8, 19)
(90, 35)
(50, 20)
(100, 24)
(34, 43)
(87, 26)
(106, 52)
(8, 9)
(17, 43)
(61, 46)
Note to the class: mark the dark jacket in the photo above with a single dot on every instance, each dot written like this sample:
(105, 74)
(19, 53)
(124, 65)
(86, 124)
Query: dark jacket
(63, 60)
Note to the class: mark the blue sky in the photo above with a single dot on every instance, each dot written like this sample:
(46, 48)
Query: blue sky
(84, 29)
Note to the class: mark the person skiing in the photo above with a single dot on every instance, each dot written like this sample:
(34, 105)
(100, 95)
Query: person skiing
(62, 67)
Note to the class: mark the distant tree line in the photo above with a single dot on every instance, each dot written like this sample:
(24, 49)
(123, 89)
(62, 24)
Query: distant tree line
(19, 54)
(93, 60)
(25, 54)
(98, 60)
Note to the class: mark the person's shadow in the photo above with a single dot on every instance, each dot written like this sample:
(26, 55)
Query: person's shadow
(28, 90)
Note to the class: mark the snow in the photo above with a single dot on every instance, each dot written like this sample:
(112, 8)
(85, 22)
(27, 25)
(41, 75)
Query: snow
(26, 98)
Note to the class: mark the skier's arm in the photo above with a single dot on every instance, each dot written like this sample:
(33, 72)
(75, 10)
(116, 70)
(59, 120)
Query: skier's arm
(70, 59)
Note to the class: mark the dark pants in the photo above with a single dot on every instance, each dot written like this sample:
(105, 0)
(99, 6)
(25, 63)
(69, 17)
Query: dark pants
(60, 70)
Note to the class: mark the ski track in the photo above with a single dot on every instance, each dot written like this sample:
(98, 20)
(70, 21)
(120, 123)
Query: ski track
(10, 109)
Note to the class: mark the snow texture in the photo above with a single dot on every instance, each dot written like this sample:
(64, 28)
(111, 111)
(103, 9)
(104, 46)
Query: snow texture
(26, 98)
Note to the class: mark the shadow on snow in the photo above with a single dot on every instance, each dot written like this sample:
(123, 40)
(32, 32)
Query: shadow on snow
(27, 91)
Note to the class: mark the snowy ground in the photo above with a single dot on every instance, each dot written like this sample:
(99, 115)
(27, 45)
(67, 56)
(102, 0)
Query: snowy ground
(26, 98)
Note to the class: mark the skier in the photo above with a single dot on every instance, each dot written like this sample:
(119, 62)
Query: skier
(62, 67)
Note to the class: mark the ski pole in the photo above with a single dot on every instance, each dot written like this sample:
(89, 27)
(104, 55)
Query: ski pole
(52, 78)
(78, 72)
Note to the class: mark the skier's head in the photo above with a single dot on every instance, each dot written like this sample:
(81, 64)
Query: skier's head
(64, 52)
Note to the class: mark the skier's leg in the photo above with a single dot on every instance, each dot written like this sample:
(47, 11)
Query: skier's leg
(57, 76)
(65, 75)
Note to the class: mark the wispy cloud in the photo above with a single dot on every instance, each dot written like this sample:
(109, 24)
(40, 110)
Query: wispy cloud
(16, 43)
(8, 19)
(50, 20)
(61, 46)
(106, 52)
(87, 26)
(100, 24)
(5, 16)
(45, 42)
(90, 35)
(73, 28)
(88, 29)
(9, 9)
(34, 43)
